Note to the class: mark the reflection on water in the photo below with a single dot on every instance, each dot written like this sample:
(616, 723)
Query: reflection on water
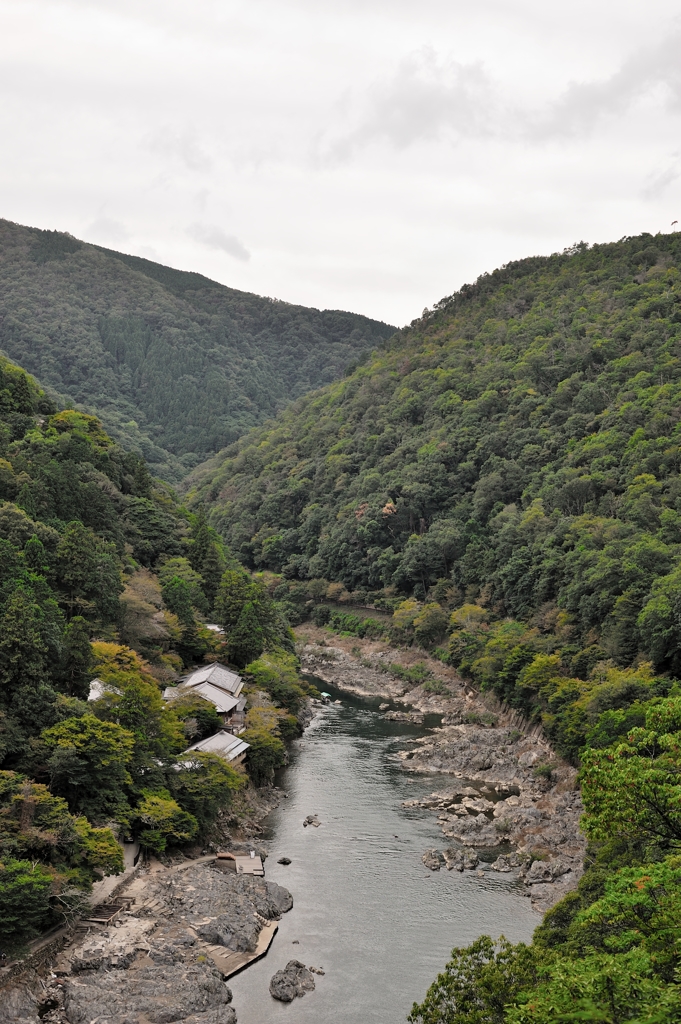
(365, 909)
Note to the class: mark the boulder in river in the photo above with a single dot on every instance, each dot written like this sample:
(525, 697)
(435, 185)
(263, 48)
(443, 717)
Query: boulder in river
(312, 819)
(460, 860)
(433, 860)
(294, 980)
(507, 861)
(284, 860)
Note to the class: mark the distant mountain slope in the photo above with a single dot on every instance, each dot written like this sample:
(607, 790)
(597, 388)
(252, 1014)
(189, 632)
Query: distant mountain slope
(521, 443)
(176, 365)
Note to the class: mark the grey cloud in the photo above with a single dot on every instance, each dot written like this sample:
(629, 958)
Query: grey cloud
(429, 98)
(654, 71)
(425, 98)
(183, 145)
(661, 180)
(104, 229)
(215, 238)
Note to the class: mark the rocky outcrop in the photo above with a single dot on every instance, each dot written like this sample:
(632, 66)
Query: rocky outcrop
(167, 979)
(453, 858)
(153, 964)
(541, 827)
(433, 860)
(334, 665)
(164, 986)
(513, 792)
(415, 717)
(294, 980)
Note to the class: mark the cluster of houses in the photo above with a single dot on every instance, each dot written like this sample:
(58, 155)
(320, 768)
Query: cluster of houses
(220, 687)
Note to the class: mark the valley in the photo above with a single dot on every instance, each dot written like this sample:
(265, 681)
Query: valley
(470, 537)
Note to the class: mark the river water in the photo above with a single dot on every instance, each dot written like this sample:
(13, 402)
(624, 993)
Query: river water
(365, 908)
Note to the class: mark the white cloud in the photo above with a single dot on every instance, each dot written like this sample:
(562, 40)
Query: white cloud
(425, 97)
(375, 154)
(105, 230)
(215, 238)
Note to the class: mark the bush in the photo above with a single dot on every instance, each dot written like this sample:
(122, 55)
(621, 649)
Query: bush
(543, 771)
(276, 673)
(436, 686)
(161, 822)
(267, 753)
(345, 622)
(205, 786)
(486, 719)
(415, 674)
(24, 908)
(321, 614)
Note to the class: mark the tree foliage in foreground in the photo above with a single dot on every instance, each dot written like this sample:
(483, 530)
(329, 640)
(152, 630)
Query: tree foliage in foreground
(90, 547)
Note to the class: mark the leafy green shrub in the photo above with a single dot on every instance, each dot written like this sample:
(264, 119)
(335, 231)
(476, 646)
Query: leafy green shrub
(24, 901)
(478, 982)
(544, 771)
(430, 625)
(267, 753)
(276, 672)
(475, 718)
(353, 625)
(321, 614)
(436, 686)
(160, 822)
(88, 764)
(415, 674)
(205, 786)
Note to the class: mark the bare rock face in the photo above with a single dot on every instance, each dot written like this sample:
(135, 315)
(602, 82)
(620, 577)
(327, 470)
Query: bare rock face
(294, 980)
(433, 860)
(190, 993)
(21, 1002)
(153, 965)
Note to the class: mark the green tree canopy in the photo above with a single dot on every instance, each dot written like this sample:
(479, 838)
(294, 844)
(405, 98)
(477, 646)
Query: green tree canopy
(89, 765)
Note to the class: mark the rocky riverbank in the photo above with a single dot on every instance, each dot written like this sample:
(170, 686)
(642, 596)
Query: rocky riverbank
(504, 794)
(159, 960)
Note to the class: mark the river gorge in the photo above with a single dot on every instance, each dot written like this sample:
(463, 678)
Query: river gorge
(429, 825)
(366, 910)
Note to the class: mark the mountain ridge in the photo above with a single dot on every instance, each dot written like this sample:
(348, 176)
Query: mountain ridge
(176, 365)
(474, 447)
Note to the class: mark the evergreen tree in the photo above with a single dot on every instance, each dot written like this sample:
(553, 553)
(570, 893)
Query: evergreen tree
(77, 658)
(246, 641)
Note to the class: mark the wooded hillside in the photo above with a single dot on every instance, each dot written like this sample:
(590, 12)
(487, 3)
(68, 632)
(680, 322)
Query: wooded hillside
(505, 479)
(103, 574)
(520, 444)
(176, 365)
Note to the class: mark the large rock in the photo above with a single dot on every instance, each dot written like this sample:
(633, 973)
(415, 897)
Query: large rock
(191, 993)
(460, 860)
(237, 930)
(294, 980)
(433, 860)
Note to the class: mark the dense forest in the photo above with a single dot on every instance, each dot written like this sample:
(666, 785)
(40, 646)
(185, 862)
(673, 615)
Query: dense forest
(103, 574)
(176, 365)
(504, 477)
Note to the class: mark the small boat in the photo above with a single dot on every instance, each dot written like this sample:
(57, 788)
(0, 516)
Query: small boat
(326, 697)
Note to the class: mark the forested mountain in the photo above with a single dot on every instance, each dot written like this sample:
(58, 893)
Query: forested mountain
(103, 574)
(520, 443)
(176, 365)
(505, 478)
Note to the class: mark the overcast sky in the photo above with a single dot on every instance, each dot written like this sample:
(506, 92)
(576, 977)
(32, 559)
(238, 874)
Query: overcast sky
(370, 155)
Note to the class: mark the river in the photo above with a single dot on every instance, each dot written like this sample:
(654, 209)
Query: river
(365, 908)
